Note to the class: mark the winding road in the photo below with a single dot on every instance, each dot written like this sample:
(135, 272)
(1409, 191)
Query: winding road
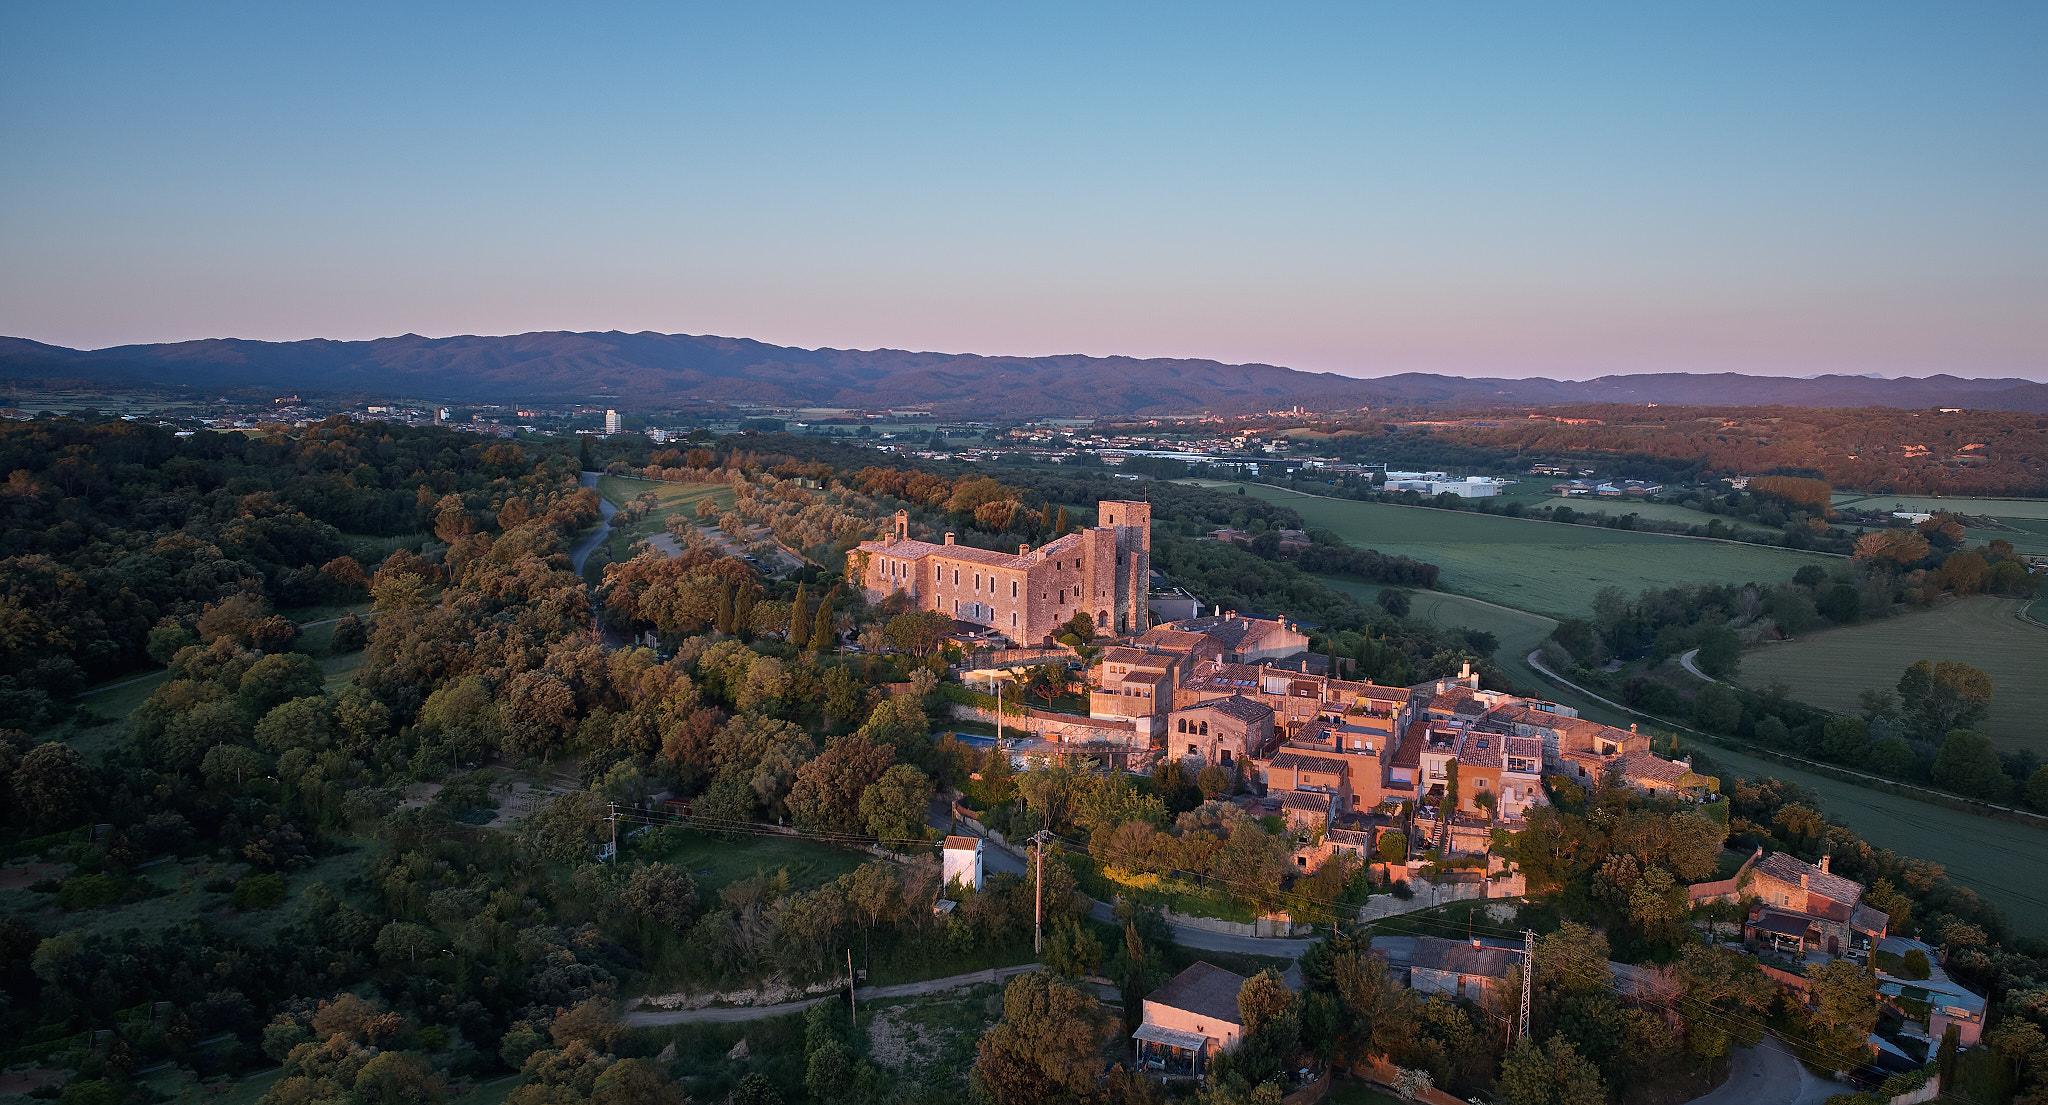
(589, 544)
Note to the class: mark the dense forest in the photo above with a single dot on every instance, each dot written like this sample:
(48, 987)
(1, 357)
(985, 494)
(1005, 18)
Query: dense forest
(385, 868)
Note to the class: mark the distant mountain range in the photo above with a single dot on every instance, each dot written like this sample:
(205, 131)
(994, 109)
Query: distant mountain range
(648, 369)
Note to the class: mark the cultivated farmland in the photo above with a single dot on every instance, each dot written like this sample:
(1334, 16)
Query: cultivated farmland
(1546, 567)
(1830, 668)
(2024, 522)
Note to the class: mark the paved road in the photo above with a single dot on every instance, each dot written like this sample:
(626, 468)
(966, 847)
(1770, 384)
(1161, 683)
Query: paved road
(649, 1018)
(605, 510)
(1769, 1074)
(1688, 660)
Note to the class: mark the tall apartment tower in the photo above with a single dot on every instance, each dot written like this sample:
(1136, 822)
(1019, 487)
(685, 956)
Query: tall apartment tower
(611, 422)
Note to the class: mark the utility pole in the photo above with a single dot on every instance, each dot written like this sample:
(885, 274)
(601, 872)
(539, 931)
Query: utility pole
(852, 991)
(1038, 894)
(999, 714)
(614, 807)
(1528, 980)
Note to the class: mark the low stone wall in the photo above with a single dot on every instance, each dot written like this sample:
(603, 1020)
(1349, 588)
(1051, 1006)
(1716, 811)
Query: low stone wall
(1276, 925)
(1065, 728)
(1429, 895)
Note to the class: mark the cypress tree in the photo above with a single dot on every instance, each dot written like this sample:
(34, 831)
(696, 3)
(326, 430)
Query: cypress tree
(821, 633)
(722, 620)
(799, 619)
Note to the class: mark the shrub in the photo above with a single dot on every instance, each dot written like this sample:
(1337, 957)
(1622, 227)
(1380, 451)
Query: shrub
(259, 892)
(1914, 964)
(89, 891)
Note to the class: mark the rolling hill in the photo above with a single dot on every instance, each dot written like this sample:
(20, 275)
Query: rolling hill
(660, 369)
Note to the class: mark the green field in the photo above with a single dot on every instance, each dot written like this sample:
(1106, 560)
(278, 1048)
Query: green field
(1518, 631)
(1830, 668)
(1960, 504)
(2024, 522)
(1546, 567)
(670, 498)
(716, 862)
(1664, 513)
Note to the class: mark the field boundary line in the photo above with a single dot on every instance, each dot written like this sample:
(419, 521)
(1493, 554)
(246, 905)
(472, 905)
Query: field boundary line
(1546, 521)
(1949, 799)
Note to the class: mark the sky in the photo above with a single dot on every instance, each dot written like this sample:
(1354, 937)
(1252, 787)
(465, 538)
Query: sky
(1503, 189)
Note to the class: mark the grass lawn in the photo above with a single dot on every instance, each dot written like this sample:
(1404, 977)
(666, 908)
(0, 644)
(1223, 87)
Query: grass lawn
(670, 498)
(1545, 567)
(715, 862)
(1348, 1092)
(1518, 631)
(1830, 668)
(1104, 883)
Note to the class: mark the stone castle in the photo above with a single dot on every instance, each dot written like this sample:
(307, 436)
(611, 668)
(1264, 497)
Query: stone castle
(1103, 571)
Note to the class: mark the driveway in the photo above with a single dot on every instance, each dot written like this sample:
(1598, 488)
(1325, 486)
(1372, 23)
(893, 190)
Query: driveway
(1769, 1074)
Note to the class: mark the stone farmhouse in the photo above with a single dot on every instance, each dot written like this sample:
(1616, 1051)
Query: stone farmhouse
(1188, 1021)
(1803, 907)
(1103, 571)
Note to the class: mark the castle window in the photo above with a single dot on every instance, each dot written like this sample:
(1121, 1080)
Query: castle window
(956, 577)
(1013, 588)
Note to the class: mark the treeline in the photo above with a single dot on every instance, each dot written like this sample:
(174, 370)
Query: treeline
(1894, 451)
(1924, 732)
(117, 531)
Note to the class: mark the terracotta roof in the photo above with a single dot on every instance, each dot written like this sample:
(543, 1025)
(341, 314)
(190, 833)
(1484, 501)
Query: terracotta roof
(1649, 765)
(1408, 753)
(1788, 869)
(1866, 919)
(1480, 749)
(1239, 707)
(957, 843)
(1434, 953)
(1526, 747)
(907, 549)
(1362, 689)
(1307, 801)
(1306, 761)
(1171, 640)
(1204, 989)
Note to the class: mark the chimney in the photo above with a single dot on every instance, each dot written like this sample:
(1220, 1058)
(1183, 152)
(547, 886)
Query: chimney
(1631, 725)
(1823, 864)
(949, 537)
(1023, 547)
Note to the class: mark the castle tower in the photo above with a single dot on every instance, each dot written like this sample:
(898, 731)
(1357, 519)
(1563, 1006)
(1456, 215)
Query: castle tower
(1131, 521)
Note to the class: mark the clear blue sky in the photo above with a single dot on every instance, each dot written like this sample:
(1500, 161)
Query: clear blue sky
(1512, 188)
